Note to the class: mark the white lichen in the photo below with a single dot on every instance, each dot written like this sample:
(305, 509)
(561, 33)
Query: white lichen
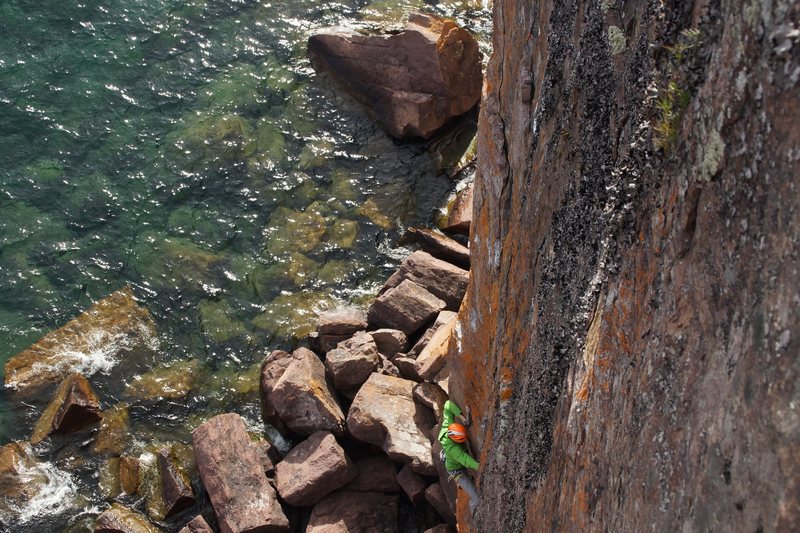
(616, 40)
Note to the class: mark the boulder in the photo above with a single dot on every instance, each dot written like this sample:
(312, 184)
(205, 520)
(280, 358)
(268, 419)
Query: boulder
(342, 321)
(198, 524)
(390, 342)
(352, 361)
(20, 479)
(302, 399)
(170, 382)
(459, 216)
(114, 431)
(347, 511)
(329, 342)
(374, 474)
(438, 245)
(432, 396)
(385, 414)
(272, 368)
(413, 485)
(387, 368)
(129, 474)
(434, 356)
(268, 455)
(436, 497)
(442, 279)
(176, 490)
(121, 519)
(412, 82)
(73, 407)
(108, 478)
(227, 461)
(313, 469)
(407, 367)
(443, 318)
(407, 307)
(112, 329)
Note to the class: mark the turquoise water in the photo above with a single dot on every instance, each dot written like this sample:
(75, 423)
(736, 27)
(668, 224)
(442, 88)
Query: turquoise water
(188, 150)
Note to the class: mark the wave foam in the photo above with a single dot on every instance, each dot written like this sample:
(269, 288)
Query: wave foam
(57, 494)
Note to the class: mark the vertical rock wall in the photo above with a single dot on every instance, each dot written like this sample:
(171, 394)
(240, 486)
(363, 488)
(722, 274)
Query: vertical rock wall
(629, 342)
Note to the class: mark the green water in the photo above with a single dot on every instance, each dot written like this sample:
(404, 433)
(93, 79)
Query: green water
(188, 150)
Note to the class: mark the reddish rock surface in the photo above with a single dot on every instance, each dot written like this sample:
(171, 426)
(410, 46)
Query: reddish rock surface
(232, 475)
(342, 321)
(407, 307)
(129, 473)
(390, 341)
(439, 245)
(442, 279)
(314, 468)
(74, 406)
(385, 414)
(413, 485)
(412, 82)
(176, 490)
(121, 519)
(445, 317)
(374, 474)
(629, 335)
(435, 496)
(431, 396)
(352, 361)
(407, 367)
(361, 512)
(433, 357)
(19, 482)
(459, 216)
(272, 368)
(198, 524)
(302, 399)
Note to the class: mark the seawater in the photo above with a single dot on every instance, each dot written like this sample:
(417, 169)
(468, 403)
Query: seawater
(187, 149)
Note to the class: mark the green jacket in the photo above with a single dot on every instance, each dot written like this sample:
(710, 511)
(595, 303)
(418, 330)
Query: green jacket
(456, 455)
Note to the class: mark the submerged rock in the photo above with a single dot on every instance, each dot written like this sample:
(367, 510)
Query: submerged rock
(228, 463)
(407, 307)
(294, 231)
(20, 480)
(121, 519)
(129, 474)
(113, 328)
(385, 414)
(114, 433)
(73, 407)
(355, 511)
(412, 82)
(172, 381)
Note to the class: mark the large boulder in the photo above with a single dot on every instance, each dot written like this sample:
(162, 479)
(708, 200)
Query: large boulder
(390, 342)
(176, 490)
(413, 485)
(352, 361)
(198, 524)
(374, 474)
(442, 279)
(355, 512)
(112, 329)
(272, 368)
(443, 318)
(431, 396)
(121, 519)
(313, 469)
(436, 497)
(438, 245)
(302, 398)
(459, 216)
(228, 463)
(433, 357)
(412, 82)
(385, 414)
(341, 321)
(114, 432)
(407, 307)
(73, 407)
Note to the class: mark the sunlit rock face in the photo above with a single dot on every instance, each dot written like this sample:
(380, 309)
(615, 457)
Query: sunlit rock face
(628, 341)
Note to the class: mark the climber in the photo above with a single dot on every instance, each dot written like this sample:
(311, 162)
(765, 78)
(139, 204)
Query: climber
(456, 458)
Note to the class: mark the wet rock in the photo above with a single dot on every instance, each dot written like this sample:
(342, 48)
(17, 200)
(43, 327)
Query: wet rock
(108, 478)
(431, 396)
(413, 485)
(177, 492)
(390, 342)
(435, 496)
(198, 524)
(73, 407)
(228, 463)
(349, 511)
(293, 316)
(407, 367)
(302, 399)
(121, 519)
(20, 478)
(217, 321)
(407, 307)
(374, 474)
(172, 381)
(112, 329)
(373, 212)
(385, 414)
(433, 357)
(342, 321)
(294, 231)
(443, 318)
(442, 279)
(114, 433)
(412, 82)
(352, 361)
(313, 469)
(129, 474)
(459, 216)
(438, 245)
(344, 233)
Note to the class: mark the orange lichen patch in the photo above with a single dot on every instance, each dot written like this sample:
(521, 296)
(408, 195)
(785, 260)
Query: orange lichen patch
(463, 516)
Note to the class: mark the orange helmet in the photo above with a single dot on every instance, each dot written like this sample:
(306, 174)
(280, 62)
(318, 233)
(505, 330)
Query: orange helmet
(457, 433)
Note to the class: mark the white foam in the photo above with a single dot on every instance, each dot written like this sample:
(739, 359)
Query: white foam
(56, 495)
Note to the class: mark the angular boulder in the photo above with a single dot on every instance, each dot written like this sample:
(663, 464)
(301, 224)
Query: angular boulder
(441, 319)
(432, 396)
(442, 279)
(407, 367)
(313, 469)
(387, 368)
(342, 321)
(441, 528)
(73, 407)
(433, 357)
(121, 519)
(198, 524)
(412, 82)
(438, 245)
(114, 431)
(112, 329)
(413, 485)
(302, 399)
(272, 368)
(385, 414)
(352, 361)
(390, 342)
(346, 511)
(19, 480)
(176, 490)
(436, 497)
(374, 474)
(407, 307)
(228, 464)
(459, 216)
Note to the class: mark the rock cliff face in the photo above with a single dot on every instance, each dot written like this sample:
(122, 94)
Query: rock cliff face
(629, 341)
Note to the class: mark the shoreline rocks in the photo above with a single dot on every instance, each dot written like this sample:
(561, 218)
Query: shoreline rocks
(73, 407)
